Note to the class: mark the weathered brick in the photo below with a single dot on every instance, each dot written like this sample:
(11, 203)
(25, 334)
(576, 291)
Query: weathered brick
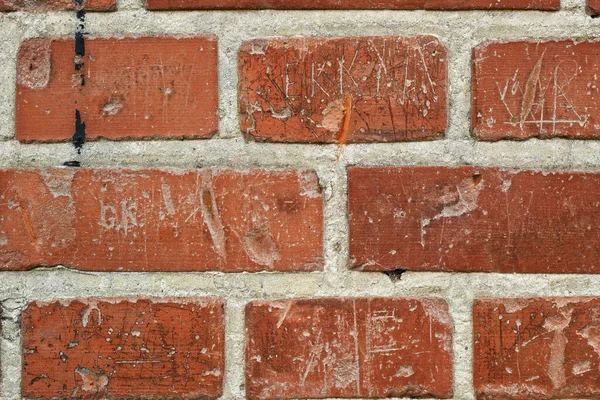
(593, 8)
(161, 220)
(318, 348)
(143, 87)
(57, 5)
(536, 89)
(353, 5)
(544, 348)
(338, 90)
(124, 348)
(473, 219)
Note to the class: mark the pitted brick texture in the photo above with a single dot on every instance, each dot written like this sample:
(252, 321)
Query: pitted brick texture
(123, 348)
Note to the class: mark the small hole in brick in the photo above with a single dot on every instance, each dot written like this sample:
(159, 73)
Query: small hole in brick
(395, 275)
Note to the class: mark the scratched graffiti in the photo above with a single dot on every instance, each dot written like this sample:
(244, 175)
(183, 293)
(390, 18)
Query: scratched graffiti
(140, 220)
(537, 348)
(536, 89)
(343, 90)
(117, 348)
(348, 348)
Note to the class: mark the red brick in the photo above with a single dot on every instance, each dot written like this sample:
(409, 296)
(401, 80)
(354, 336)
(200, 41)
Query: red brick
(544, 348)
(473, 219)
(593, 8)
(124, 348)
(161, 220)
(318, 348)
(57, 5)
(353, 5)
(536, 89)
(352, 89)
(144, 87)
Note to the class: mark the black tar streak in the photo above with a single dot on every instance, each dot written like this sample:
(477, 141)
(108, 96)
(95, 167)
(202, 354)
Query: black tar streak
(79, 135)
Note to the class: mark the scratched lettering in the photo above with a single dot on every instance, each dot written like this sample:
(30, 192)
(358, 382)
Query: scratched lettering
(536, 89)
(343, 89)
(158, 220)
(343, 348)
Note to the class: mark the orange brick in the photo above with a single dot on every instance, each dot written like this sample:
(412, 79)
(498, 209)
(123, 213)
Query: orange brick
(124, 348)
(134, 88)
(161, 220)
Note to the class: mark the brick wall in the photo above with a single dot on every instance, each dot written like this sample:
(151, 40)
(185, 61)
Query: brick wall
(350, 203)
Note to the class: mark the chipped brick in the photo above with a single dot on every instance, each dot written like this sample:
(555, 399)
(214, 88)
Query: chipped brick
(138, 88)
(473, 219)
(124, 348)
(161, 220)
(541, 348)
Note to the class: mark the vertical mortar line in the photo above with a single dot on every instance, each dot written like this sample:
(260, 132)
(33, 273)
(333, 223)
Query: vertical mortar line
(335, 228)
(229, 119)
(11, 34)
(235, 365)
(460, 301)
(459, 46)
(11, 346)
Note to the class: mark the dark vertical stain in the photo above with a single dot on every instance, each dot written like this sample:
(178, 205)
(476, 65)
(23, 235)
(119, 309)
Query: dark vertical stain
(79, 135)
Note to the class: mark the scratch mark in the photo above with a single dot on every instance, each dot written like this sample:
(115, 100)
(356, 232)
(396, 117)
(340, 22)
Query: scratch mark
(212, 217)
(530, 89)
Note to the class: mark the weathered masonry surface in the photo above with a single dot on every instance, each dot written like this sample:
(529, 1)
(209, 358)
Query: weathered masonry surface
(284, 199)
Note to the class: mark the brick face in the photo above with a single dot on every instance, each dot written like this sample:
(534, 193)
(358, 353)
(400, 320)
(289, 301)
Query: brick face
(347, 348)
(117, 348)
(545, 348)
(161, 220)
(593, 8)
(56, 5)
(473, 219)
(346, 4)
(128, 88)
(323, 90)
(536, 89)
